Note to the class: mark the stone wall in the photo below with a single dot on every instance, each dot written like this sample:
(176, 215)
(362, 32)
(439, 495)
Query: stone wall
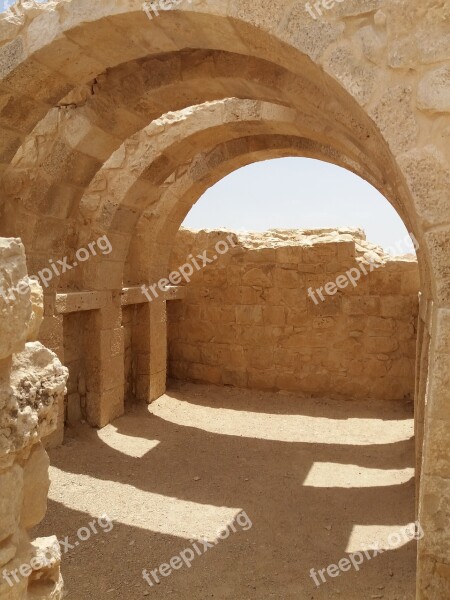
(365, 87)
(132, 319)
(76, 329)
(247, 319)
(32, 383)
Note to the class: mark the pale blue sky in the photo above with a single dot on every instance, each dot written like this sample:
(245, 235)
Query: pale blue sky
(297, 193)
(5, 4)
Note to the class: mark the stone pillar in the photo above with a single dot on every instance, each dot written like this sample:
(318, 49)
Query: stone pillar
(434, 499)
(151, 348)
(422, 371)
(32, 384)
(105, 365)
(51, 334)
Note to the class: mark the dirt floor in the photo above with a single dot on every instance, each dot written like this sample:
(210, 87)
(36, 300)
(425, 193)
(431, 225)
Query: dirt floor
(317, 480)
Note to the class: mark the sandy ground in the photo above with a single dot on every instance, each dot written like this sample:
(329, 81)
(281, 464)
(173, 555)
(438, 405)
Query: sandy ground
(317, 479)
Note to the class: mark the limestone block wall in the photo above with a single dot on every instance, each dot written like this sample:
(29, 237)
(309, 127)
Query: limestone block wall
(247, 319)
(32, 383)
(76, 329)
(368, 87)
(131, 322)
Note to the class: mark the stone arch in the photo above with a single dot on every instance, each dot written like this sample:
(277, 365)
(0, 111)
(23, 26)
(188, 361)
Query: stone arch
(134, 176)
(377, 62)
(183, 180)
(203, 171)
(46, 178)
(72, 15)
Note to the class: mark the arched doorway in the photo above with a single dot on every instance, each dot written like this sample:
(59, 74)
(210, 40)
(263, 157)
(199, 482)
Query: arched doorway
(341, 93)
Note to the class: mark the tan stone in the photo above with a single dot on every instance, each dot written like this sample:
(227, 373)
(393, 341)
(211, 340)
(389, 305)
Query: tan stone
(363, 86)
(46, 582)
(360, 344)
(11, 497)
(15, 307)
(433, 90)
(37, 383)
(35, 487)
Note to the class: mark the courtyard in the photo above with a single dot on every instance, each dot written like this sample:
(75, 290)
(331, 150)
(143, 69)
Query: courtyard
(318, 480)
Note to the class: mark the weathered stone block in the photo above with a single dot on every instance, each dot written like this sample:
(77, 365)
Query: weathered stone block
(433, 91)
(36, 483)
(352, 343)
(11, 498)
(16, 312)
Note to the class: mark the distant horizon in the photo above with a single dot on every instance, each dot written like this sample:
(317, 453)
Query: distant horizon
(402, 247)
(316, 195)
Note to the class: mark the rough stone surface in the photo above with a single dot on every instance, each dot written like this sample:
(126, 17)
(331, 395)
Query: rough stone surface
(247, 319)
(35, 487)
(361, 83)
(32, 383)
(29, 399)
(15, 307)
(433, 90)
(46, 582)
(37, 305)
(10, 501)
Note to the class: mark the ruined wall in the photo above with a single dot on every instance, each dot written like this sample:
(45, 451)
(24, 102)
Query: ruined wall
(32, 383)
(131, 323)
(247, 319)
(76, 330)
(369, 78)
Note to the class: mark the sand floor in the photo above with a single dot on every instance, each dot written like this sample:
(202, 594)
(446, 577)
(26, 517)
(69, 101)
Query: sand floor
(295, 483)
